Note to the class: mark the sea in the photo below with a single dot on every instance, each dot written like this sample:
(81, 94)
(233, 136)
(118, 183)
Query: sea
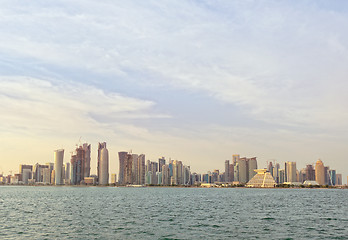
(28, 212)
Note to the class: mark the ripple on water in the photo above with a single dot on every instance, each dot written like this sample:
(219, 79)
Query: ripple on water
(171, 213)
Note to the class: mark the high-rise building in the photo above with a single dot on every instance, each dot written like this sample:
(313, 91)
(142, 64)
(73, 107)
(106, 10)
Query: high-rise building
(243, 170)
(227, 170)
(339, 179)
(326, 174)
(135, 172)
(177, 172)
(123, 158)
(276, 173)
(310, 172)
(128, 170)
(87, 160)
(186, 175)
(165, 175)
(320, 172)
(236, 172)
(141, 169)
(38, 173)
(252, 166)
(231, 173)
(51, 168)
(67, 173)
(103, 174)
(161, 162)
(159, 178)
(332, 177)
(302, 175)
(58, 166)
(25, 172)
(127, 173)
(291, 171)
(235, 158)
(100, 147)
(270, 168)
(281, 176)
(77, 167)
(47, 175)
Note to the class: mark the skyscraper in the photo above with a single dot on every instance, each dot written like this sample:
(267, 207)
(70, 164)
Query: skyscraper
(236, 172)
(276, 172)
(235, 158)
(51, 175)
(270, 168)
(165, 175)
(127, 174)
(177, 172)
(326, 174)
(122, 156)
(135, 166)
(227, 170)
(310, 172)
(77, 166)
(87, 160)
(291, 171)
(38, 173)
(67, 173)
(242, 170)
(281, 176)
(332, 176)
(141, 169)
(161, 162)
(58, 166)
(26, 172)
(231, 173)
(103, 164)
(252, 165)
(339, 179)
(320, 172)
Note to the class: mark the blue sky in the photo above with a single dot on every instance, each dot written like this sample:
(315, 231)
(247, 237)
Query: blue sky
(196, 81)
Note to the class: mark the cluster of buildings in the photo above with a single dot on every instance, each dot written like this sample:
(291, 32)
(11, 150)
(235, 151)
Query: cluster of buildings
(239, 171)
(135, 170)
(313, 173)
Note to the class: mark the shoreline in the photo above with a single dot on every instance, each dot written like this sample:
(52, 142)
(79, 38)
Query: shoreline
(178, 186)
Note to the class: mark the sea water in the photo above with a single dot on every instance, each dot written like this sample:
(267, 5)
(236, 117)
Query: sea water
(172, 213)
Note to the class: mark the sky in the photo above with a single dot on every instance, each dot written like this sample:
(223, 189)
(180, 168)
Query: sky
(196, 81)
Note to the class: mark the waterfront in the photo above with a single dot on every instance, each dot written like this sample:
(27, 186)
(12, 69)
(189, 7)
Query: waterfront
(172, 213)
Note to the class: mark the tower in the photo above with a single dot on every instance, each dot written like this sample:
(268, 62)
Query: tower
(87, 161)
(320, 172)
(58, 166)
(104, 167)
(122, 158)
(291, 171)
(227, 170)
(100, 147)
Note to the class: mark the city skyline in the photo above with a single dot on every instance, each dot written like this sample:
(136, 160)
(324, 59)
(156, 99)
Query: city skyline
(135, 170)
(196, 81)
(92, 165)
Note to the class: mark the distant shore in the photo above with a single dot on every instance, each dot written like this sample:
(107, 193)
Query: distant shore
(281, 186)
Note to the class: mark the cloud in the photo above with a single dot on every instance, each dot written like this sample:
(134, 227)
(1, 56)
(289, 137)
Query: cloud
(42, 106)
(272, 59)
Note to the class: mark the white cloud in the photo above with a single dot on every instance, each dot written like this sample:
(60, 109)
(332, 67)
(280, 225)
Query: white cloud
(273, 59)
(59, 107)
